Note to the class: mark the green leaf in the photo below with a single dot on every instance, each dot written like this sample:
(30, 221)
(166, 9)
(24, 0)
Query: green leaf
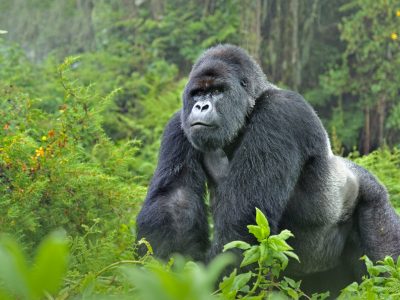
(217, 265)
(236, 244)
(263, 251)
(292, 255)
(291, 282)
(389, 261)
(13, 271)
(50, 264)
(292, 293)
(262, 221)
(227, 282)
(256, 231)
(285, 234)
(321, 296)
(250, 256)
(352, 288)
(368, 262)
(283, 259)
(278, 244)
(241, 280)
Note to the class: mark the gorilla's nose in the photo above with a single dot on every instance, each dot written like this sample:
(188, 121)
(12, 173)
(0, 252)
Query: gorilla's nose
(202, 107)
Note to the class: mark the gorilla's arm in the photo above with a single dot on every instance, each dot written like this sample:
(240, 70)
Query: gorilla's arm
(173, 217)
(282, 134)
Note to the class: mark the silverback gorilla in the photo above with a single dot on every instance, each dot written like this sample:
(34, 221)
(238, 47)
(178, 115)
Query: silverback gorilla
(256, 145)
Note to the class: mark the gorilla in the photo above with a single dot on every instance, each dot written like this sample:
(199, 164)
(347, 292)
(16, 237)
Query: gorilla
(251, 144)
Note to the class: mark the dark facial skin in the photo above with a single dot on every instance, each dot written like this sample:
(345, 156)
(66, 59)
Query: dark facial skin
(215, 107)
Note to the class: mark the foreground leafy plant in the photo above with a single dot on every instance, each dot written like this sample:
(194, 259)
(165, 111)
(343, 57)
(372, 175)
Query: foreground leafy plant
(150, 279)
(179, 279)
(271, 256)
(19, 280)
(382, 281)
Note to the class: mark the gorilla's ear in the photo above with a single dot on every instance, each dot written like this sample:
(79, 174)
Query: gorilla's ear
(243, 83)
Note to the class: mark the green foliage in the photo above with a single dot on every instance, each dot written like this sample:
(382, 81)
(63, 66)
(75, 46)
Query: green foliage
(269, 258)
(150, 279)
(20, 280)
(385, 164)
(59, 168)
(368, 77)
(382, 281)
(176, 280)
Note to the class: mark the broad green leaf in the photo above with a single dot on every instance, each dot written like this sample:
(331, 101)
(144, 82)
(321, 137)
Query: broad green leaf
(236, 244)
(241, 280)
(292, 293)
(292, 255)
(376, 270)
(283, 258)
(14, 274)
(256, 231)
(227, 282)
(322, 296)
(368, 262)
(262, 221)
(250, 256)
(290, 281)
(389, 261)
(351, 288)
(50, 264)
(263, 251)
(216, 266)
(285, 234)
(278, 244)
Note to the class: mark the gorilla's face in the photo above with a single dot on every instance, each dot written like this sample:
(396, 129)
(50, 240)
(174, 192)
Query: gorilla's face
(215, 105)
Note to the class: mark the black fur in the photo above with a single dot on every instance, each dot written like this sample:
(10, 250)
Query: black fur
(258, 146)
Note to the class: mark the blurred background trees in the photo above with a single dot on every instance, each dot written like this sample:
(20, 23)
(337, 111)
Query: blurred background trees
(342, 55)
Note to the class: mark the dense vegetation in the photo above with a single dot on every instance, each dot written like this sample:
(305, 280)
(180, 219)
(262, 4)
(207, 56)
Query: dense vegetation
(79, 136)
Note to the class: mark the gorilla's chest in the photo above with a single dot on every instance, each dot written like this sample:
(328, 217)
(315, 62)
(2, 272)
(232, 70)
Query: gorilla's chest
(216, 164)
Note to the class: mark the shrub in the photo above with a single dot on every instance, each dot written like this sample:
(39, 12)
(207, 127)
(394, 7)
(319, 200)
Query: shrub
(59, 169)
(385, 164)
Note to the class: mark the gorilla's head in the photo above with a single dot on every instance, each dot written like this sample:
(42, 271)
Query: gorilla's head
(223, 86)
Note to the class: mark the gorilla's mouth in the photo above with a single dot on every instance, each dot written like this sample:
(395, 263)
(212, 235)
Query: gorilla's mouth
(200, 124)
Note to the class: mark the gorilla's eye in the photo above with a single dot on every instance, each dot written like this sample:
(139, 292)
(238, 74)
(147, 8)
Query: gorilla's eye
(196, 93)
(216, 92)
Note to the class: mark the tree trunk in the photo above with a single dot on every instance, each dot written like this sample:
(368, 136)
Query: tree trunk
(381, 116)
(206, 8)
(367, 131)
(308, 30)
(295, 63)
(88, 33)
(251, 27)
(157, 8)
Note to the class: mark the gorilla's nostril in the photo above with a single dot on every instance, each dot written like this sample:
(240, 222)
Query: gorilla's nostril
(205, 107)
(198, 106)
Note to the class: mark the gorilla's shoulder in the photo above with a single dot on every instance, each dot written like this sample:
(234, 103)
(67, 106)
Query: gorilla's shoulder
(286, 113)
(284, 98)
(285, 104)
